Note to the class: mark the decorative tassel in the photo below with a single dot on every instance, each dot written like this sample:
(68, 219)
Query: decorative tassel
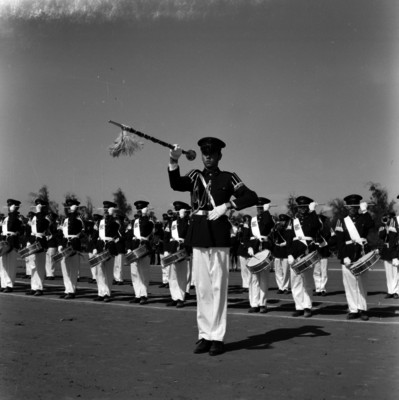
(125, 144)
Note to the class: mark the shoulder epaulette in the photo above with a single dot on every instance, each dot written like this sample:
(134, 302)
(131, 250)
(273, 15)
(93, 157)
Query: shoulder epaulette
(193, 174)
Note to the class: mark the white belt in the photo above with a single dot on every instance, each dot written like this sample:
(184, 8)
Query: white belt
(364, 241)
(71, 236)
(304, 238)
(10, 233)
(177, 240)
(39, 235)
(261, 239)
(281, 244)
(201, 212)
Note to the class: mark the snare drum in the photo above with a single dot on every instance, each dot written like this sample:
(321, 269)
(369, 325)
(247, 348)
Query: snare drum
(364, 263)
(69, 251)
(306, 262)
(32, 249)
(99, 258)
(260, 261)
(174, 258)
(4, 248)
(136, 254)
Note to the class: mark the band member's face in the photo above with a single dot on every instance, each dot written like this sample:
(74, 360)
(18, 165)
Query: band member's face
(303, 210)
(211, 160)
(353, 211)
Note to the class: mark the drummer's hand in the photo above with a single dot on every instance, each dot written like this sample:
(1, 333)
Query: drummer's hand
(175, 153)
(60, 249)
(347, 261)
(312, 206)
(27, 244)
(129, 251)
(217, 212)
(250, 251)
(291, 259)
(363, 207)
(395, 262)
(94, 252)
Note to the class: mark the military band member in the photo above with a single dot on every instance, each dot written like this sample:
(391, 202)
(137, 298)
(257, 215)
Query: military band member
(351, 238)
(72, 229)
(389, 233)
(302, 231)
(39, 231)
(108, 237)
(209, 236)
(178, 272)
(121, 251)
(281, 268)
(166, 223)
(261, 226)
(52, 244)
(11, 230)
(24, 239)
(141, 235)
(92, 233)
(244, 236)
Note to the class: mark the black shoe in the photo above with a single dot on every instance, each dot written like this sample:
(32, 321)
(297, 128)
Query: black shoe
(38, 293)
(172, 303)
(286, 291)
(2, 289)
(62, 296)
(396, 296)
(216, 348)
(202, 346)
(8, 289)
(136, 300)
(280, 291)
(388, 296)
(187, 295)
(143, 300)
(364, 316)
(254, 310)
(263, 310)
(317, 294)
(180, 304)
(30, 292)
(324, 293)
(352, 315)
(297, 313)
(50, 278)
(69, 296)
(98, 298)
(107, 299)
(307, 313)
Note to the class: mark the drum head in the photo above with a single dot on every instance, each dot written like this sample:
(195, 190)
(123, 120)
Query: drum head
(258, 258)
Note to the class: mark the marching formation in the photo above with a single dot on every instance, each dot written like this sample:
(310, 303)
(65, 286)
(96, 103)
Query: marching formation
(198, 244)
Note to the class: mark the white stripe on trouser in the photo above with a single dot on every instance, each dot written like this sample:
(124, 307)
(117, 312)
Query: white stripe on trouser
(245, 274)
(70, 271)
(50, 266)
(258, 288)
(211, 276)
(190, 280)
(392, 276)
(29, 264)
(320, 275)
(165, 270)
(301, 286)
(105, 274)
(38, 271)
(178, 280)
(355, 290)
(140, 273)
(282, 273)
(118, 265)
(8, 269)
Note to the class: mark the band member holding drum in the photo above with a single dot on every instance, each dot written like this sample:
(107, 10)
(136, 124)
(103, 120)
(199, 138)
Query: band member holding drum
(11, 229)
(108, 237)
(139, 242)
(72, 229)
(24, 238)
(52, 244)
(281, 268)
(389, 233)
(39, 230)
(209, 235)
(121, 250)
(178, 271)
(92, 233)
(166, 224)
(244, 236)
(261, 226)
(351, 239)
(302, 231)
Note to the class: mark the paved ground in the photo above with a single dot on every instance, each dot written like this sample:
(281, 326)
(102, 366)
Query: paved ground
(60, 349)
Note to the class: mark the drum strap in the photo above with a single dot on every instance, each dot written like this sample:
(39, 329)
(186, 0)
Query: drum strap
(255, 229)
(207, 189)
(353, 232)
(4, 227)
(299, 235)
(136, 231)
(175, 232)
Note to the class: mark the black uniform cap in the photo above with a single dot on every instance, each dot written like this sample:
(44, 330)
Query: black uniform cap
(283, 217)
(353, 199)
(180, 205)
(71, 202)
(210, 145)
(12, 202)
(302, 201)
(97, 217)
(140, 204)
(42, 202)
(109, 204)
(262, 201)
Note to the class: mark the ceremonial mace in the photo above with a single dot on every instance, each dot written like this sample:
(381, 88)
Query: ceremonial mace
(127, 144)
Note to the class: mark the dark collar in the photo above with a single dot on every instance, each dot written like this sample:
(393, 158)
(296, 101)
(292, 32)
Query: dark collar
(210, 172)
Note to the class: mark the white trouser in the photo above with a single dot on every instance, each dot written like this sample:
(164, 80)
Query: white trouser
(104, 277)
(178, 280)
(8, 270)
(93, 270)
(29, 264)
(320, 275)
(118, 265)
(50, 266)
(258, 288)
(140, 273)
(38, 271)
(282, 273)
(211, 276)
(301, 286)
(392, 275)
(245, 273)
(165, 270)
(355, 290)
(70, 271)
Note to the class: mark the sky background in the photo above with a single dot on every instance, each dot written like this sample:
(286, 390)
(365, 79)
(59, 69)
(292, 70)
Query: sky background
(304, 93)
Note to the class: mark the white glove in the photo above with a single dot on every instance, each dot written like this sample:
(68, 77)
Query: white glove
(395, 262)
(217, 212)
(38, 208)
(94, 252)
(266, 207)
(27, 244)
(347, 261)
(13, 208)
(312, 206)
(176, 152)
(60, 249)
(291, 259)
(182, 213)
(129, 251)
(250, 251)
(363, 207)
